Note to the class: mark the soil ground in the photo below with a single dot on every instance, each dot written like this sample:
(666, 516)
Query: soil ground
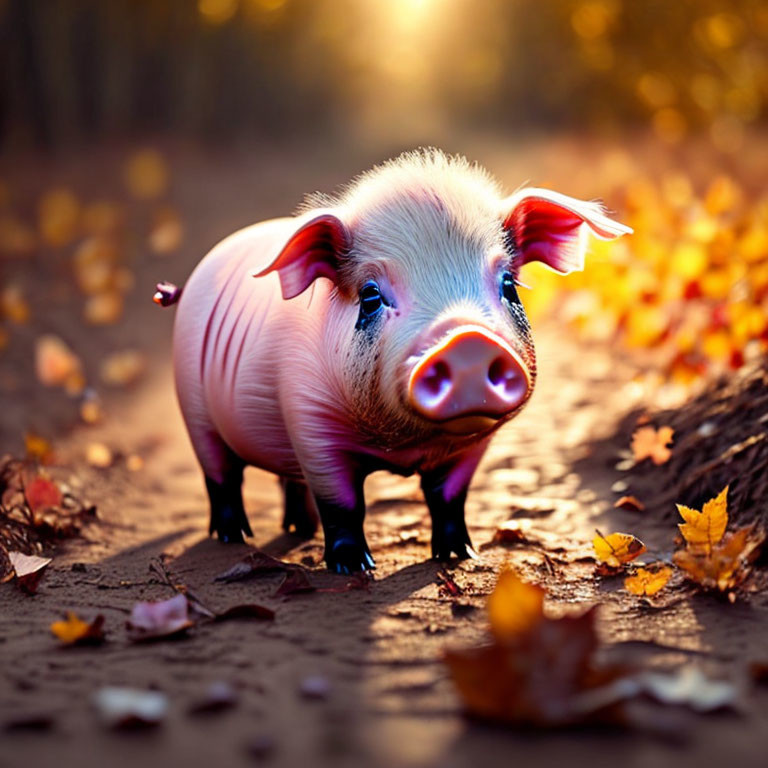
(389, 701)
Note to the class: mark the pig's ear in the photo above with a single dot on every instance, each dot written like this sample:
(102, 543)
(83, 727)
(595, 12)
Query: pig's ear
(552, 228)
(314, 250)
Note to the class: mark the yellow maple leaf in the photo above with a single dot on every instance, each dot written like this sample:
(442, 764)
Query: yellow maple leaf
(726, 565)
(74, 630)
(514, 606)
(615, 549)
(703, 530)
(651, 443)
(648, 582)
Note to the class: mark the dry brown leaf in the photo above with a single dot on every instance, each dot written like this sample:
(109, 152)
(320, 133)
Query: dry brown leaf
(651, 443)
(540, 673)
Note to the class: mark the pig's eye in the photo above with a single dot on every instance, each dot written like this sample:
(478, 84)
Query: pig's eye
(508, 290)
(371, 300)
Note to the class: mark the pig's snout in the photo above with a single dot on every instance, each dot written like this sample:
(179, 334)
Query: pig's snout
(468, 380)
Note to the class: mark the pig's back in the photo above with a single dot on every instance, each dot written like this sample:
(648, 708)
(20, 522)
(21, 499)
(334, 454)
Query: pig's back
(225, 354)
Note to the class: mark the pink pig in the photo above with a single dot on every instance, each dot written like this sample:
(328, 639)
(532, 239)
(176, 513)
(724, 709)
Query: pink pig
(408, 354)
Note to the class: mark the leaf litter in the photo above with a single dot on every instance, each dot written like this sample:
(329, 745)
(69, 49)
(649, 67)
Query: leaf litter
(544, 672)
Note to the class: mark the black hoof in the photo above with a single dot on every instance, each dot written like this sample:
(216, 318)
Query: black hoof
(230, 525)
(348, 554)
(452, 539)
(228, 518)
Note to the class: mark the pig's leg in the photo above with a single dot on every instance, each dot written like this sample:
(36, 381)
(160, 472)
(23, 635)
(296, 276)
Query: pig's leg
(341, 506)
(223, 479)
(346, 549)
(300, 515)
(445, 491)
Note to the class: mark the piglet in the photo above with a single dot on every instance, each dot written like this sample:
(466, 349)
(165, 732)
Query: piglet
(380, 329)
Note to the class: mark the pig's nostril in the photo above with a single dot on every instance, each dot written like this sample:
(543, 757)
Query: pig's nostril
(436, 378)
(506, 377)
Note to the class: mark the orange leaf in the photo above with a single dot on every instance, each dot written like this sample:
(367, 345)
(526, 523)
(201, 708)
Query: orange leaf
(648, 582)
(617, 548)
(651, 443)
(703, 530)
(514, 606)
(74, 631)
(726, 565)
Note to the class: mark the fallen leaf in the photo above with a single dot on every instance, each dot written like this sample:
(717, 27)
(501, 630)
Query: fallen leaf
(651, 443)
(539, 676)
(74, 631)
(616, 549)
(512, 532)
(254, 564)
(42, 494)
(296, 580)
(129, 708)
(648, 582)
(703, 530)
(29, 570)
(159, 620)
(630, 503)
(726, 565)
(713, 557)
(514, 607)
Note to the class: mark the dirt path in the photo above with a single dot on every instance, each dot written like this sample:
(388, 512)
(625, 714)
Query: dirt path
(389, 702)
